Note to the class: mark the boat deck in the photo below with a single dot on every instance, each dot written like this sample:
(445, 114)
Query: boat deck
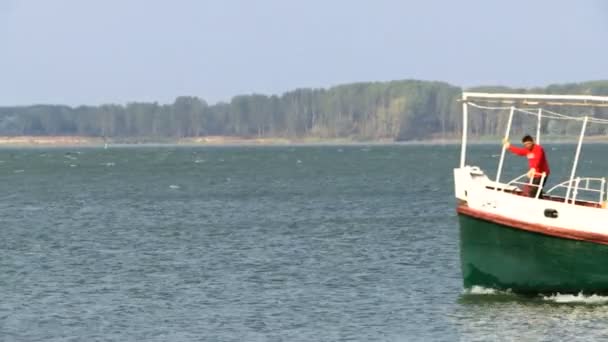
(559, 199)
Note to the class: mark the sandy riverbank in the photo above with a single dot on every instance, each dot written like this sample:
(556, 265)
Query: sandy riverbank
(49, 141)
(59, 141)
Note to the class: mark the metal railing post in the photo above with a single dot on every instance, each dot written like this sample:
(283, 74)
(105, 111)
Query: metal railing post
(602, 189)
(540, 185)
(575, 191)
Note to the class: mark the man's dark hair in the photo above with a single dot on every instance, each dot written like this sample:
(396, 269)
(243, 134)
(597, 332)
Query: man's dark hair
(527, 138)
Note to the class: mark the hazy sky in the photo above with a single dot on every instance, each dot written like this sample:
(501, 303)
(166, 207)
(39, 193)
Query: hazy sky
(115, 51)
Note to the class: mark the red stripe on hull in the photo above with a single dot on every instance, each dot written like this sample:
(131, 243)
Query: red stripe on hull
(533, 227)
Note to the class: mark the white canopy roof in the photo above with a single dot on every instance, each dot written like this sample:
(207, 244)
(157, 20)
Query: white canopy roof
(534, 99)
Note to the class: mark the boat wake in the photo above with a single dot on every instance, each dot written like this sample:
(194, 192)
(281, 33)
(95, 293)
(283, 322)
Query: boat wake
(480, 290)
(577, 299)
(501, 295)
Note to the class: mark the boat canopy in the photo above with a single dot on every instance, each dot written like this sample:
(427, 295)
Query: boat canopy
(537, 99)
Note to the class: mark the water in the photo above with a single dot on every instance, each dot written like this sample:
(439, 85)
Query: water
(354, 243)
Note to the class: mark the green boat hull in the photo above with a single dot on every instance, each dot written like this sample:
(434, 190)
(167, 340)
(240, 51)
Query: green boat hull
(497, 256)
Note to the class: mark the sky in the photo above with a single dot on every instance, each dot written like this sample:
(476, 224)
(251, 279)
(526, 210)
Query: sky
(117, 51)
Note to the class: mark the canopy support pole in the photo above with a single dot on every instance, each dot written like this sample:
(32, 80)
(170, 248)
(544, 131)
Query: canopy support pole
(502, 154)
(540, 114)
(578, 152)
(465, 120)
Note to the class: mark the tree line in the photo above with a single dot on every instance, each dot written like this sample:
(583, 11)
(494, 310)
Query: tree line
(396, 110)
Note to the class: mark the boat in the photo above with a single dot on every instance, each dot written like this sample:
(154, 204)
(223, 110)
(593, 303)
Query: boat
(554, 242)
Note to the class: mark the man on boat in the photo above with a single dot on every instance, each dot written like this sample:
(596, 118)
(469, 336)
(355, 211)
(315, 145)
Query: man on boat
(536, 161)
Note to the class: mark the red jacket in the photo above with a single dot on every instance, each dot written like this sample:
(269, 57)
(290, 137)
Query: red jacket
(536, 158)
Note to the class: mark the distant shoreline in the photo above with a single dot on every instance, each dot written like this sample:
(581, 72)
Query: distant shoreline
(68, 141)
(83, 141)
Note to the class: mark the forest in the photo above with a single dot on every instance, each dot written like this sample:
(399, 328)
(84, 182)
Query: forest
(396, 111)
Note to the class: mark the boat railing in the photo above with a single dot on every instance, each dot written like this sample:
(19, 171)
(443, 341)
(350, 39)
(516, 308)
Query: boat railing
(584, 184)
(589, 185)
(529, 183)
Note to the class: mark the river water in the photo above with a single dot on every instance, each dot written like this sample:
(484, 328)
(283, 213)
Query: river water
(305, 243)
